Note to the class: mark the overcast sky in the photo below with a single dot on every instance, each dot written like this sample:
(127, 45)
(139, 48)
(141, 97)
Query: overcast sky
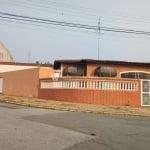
(31, 43)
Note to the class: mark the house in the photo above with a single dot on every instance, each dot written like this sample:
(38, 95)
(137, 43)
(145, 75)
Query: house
(102, 68)
(99, 82)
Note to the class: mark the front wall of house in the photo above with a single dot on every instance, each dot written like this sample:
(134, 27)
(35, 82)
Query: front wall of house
(21, 83)
(128, 68)
(91, 68)
(46, 72)
(105, 96)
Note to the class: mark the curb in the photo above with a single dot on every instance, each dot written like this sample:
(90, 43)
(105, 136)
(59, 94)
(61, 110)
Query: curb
(65, 106)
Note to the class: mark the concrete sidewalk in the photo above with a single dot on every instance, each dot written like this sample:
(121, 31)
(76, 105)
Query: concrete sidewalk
(77, 107)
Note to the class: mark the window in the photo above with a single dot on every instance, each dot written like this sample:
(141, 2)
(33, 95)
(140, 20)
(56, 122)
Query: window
(105, 71)
(136, 75)
(74, 71)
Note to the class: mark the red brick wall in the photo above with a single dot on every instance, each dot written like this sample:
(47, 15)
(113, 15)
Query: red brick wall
(94, 96)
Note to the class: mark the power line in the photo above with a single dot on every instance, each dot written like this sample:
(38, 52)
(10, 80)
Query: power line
(48, 5)
(71, 7)
(99, 28)
(70, 24)
(50, 8)
(76, 31)
(45, 21)
(80, 15)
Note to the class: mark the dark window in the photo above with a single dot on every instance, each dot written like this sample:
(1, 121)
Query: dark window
(73, 71)
(144, 75)
(136, 75)
(105, 71)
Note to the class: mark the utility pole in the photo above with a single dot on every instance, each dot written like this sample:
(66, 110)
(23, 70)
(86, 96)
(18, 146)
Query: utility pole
(29, 55)
(99, 28)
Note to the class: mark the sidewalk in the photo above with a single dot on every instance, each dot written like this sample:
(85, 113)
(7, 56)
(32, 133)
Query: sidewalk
(77, 107)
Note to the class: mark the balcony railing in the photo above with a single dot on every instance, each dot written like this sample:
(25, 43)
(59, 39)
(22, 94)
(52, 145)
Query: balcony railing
(90, 84)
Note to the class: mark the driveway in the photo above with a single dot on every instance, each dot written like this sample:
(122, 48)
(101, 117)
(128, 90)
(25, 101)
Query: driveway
(29, 128)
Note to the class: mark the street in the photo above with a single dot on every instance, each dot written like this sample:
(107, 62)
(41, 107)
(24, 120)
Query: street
(30, 128)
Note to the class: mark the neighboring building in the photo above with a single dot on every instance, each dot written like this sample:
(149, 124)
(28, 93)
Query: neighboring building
(22, 79)
(5, 55)
(99, 82)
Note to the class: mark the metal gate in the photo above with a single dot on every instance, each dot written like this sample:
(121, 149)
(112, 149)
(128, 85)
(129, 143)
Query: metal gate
(145, 92)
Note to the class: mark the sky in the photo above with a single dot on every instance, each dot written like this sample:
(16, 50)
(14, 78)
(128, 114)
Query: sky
(31, 42)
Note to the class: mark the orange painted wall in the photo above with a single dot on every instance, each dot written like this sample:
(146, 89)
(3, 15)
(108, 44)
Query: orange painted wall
(119, 68)
(46, 72)
(21, 83)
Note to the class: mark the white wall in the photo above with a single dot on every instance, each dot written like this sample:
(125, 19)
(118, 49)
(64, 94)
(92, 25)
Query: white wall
(8, 68)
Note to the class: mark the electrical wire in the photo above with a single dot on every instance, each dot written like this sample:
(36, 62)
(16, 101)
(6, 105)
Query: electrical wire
(7, 19)
(47, 21)
(49, 5)
(84, 11)
(69, 24)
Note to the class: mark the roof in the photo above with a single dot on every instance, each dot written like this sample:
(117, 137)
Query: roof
(25, 64)
(58, 63)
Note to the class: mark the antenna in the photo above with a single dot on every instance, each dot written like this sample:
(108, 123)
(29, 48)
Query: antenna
(99, 28)
(29, 55)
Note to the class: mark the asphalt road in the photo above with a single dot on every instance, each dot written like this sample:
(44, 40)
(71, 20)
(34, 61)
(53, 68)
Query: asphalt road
(25, 128)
